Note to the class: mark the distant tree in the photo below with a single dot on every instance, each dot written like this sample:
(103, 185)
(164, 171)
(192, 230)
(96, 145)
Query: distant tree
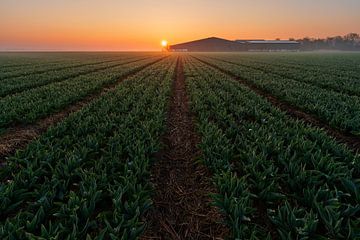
(338, 42)
(348, 42)
(338, 39)
(352, 37)
(306, 43)
(320, 43)
(330, 42)
(352, 40)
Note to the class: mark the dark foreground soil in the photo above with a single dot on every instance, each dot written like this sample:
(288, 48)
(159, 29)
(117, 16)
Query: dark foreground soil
(350, 140)
(182, 205)
(17, 137)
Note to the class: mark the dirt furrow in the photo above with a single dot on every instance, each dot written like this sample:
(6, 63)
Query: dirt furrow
(182, 205)
(18, 136)
(349, 139)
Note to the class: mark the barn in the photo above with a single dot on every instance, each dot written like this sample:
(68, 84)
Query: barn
(270, 45)
(214, 44)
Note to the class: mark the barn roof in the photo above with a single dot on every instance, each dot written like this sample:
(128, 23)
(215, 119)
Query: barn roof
(205, 40)
(214, 44)
(273, 42)
(209, 44)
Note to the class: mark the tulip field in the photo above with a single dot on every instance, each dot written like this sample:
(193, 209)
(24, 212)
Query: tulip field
(277, 137)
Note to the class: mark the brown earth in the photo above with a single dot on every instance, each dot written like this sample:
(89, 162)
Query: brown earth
(182, 205)
(18, 136)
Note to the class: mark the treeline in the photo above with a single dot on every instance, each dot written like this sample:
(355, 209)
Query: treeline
(349, 42)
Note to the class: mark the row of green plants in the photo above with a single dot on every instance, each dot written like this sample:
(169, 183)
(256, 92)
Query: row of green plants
(277, 177)
(339, 110)
(333, 63)
(47, 63)
(12, 65)
(328, 78)
(338, 64)
(88, 177)
(31, 66)
(28, 106)
(19, 84)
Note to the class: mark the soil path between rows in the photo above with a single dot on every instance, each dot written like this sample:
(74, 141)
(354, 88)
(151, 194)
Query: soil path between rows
(182, 205)
(17, 137)
(350, 140)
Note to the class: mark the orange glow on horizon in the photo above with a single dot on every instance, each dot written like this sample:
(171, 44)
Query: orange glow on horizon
(137, 25)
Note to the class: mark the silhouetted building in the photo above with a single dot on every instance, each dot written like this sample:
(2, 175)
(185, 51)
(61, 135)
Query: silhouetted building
(271, 45)
(214, 44)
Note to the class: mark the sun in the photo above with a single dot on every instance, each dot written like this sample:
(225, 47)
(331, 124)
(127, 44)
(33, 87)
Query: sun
(164, 43)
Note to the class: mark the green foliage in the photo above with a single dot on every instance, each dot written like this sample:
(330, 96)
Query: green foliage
(87, 177)
(30, 105)
(274, 174)
(324, 95)
(61, 73)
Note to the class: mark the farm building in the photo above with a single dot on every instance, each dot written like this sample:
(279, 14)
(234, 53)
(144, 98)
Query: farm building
(214, 44)
(271, 45)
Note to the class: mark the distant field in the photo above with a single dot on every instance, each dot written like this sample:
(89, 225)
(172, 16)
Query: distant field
(229, 145)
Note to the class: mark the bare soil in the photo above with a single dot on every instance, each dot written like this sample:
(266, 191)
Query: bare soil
(182, 205)
(350, 140)
(18, 136)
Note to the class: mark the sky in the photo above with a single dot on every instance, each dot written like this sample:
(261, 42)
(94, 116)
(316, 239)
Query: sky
(140, 25)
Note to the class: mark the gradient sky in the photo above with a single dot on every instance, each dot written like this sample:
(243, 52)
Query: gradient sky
(142, 24)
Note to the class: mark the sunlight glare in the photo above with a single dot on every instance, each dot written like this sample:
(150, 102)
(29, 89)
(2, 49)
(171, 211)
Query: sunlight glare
(164, 43)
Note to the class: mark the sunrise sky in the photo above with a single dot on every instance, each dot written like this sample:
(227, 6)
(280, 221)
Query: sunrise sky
(142, 24)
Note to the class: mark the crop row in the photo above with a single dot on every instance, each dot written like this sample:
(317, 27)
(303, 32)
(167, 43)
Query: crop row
(333, 80)
(14, 64)
(339, 64)
(342, 63)
(339, 110)
(49, 68)
(42, 66)
(28, 106)
(88, 176)
(277, 177)
(14, 85)
(50, 62)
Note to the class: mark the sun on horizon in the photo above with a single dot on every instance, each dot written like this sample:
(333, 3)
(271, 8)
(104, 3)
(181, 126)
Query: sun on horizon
(164, 43)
